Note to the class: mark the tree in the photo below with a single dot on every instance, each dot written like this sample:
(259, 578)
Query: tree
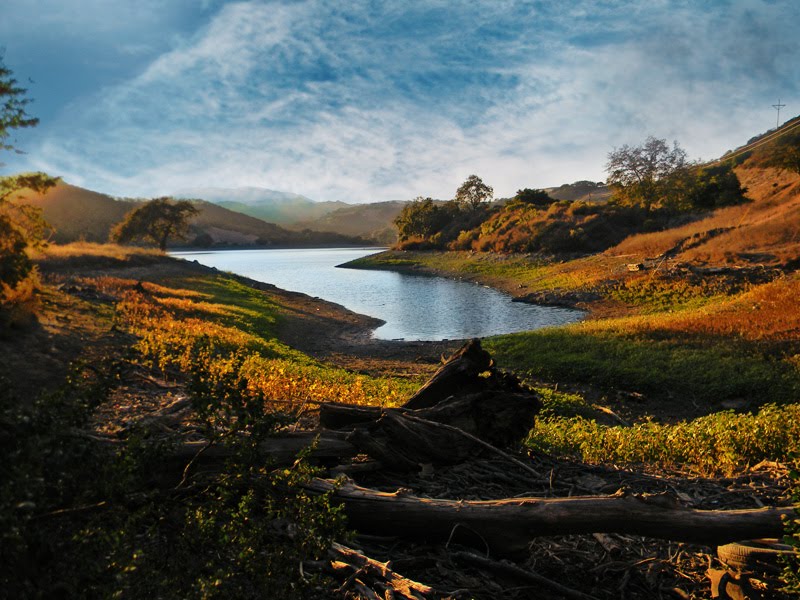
(157, 220)
(420, 218)
(642, 175)
(536, 197)
(473, 192)
(21, 225)
(786, 153)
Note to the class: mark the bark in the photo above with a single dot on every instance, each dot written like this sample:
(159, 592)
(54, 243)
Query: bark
(460, 374)
(507, 526)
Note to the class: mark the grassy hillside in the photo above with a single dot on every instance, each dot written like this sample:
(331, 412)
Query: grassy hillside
(584, 191)
(79, 214)
(372, 221)
(765, 230)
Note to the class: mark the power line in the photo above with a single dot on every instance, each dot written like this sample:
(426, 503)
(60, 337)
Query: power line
(759, 142)
(778, 107)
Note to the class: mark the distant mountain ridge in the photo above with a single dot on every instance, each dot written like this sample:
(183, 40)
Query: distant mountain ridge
(273, 206)
(76, 214)
(243, 195)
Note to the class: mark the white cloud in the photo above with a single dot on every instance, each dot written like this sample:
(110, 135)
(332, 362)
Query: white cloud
(362, 105)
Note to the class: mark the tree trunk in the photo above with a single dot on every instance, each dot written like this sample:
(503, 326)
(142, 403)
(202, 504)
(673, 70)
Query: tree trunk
(507, 526)
(458, 375)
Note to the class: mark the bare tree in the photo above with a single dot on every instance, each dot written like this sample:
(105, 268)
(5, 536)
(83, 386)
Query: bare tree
(642, 175)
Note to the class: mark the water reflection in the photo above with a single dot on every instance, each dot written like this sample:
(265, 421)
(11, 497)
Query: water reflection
(413, 307)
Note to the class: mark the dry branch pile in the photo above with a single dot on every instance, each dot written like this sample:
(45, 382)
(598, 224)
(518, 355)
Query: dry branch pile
(442, 473)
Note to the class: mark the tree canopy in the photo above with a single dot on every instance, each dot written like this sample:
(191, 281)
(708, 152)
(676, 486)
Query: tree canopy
(473, 192)
(654, 175)
(641, 175)
(155, 221)
(21, 225)
(421, 218)
(786, 153)
(536, 197)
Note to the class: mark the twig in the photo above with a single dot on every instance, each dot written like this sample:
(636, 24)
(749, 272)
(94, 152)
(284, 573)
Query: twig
(191, 463)
(68, 511)
(477, 440)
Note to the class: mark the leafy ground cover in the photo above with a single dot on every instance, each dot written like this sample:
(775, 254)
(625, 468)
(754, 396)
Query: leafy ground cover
(218, 340)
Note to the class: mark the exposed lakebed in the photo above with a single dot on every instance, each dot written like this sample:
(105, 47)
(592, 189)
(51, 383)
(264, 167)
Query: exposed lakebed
(413, 307)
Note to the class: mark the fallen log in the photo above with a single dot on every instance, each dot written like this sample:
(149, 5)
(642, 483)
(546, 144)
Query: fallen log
(499, 417)
(507, 526)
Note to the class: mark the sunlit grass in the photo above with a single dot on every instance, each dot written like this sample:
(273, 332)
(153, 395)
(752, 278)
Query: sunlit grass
(84, 249)
(721, 443)
(221, 333)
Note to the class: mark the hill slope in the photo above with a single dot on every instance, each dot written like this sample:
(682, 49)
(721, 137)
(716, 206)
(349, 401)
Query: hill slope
(283, 208)
(79, 214)
(372, 221)
(763, 231)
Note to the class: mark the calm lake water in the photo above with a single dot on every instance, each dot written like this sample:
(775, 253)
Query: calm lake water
(413, 307)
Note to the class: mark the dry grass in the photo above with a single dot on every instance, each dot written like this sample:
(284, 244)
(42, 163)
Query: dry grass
(768, 312)
(768, 228)
(90, 249)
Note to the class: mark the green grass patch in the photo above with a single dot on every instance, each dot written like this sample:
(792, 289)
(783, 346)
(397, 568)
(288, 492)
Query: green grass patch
(720, 443)
(512, 270)
(222, 333)
(694, 368)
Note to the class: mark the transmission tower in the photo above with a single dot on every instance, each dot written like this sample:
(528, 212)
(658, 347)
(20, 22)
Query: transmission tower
(778, 107)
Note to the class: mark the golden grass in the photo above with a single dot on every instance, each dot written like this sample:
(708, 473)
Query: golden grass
(769, 225)
(82, 249)
(228, 344)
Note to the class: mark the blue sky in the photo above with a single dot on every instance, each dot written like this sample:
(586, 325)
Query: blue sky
(367, 101)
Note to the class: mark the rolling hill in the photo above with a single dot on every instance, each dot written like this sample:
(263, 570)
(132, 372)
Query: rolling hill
(764, 231)
(79, 214)
(371, 221)
(586, 191)
(282, 208)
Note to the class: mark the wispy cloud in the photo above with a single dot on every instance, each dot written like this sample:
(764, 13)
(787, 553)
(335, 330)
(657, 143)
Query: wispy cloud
(369, 102)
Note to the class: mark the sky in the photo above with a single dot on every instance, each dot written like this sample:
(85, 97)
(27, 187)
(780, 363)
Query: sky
(366, 101)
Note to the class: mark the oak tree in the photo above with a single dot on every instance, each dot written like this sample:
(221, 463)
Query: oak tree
(642, 175)
(473, 192)
(156, 221)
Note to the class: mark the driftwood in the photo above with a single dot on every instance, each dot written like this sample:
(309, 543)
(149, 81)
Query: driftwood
(447, 433)
(497, 417)
(468, 371)
(466, 405)
(362, 569)
(507, 526)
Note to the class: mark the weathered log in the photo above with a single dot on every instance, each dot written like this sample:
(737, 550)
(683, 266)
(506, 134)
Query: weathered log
(507, 526)
(460, 374)
(339, 416)
(499, 417)
(403, 444)
(451, 432)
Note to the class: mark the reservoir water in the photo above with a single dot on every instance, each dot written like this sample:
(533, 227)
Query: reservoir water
(413, 307)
